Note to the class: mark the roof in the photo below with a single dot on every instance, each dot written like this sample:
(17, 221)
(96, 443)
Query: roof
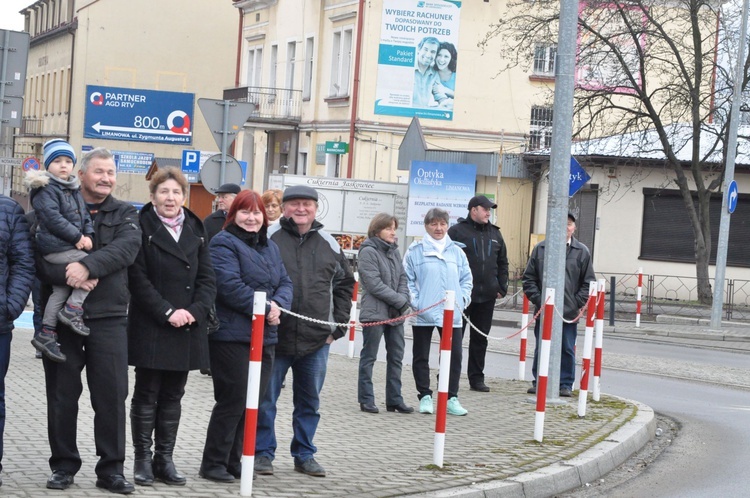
(646, 145)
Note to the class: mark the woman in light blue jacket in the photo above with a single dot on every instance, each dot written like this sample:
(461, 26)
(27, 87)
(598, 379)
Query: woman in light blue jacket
(434, 265)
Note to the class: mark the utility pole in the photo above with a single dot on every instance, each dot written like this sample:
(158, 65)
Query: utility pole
(734, 120)
(559, 180)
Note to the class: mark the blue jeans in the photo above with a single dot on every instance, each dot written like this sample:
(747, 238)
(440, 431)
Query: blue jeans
(394, 346)
(5, 340)
(308, 375)
(568, 357)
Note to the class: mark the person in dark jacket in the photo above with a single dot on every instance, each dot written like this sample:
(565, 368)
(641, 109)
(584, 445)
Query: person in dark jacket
(385, 296)
(245, 262)
(172, 286)
(488, 260)
(579, 273)
(104, 353)
(323, 286)
(215, 221)
(63, 235)
(17, 270)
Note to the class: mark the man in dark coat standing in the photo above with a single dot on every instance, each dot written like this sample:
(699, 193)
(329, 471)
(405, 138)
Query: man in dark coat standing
(321, 277)
(488, 258)
(579, 273)
(104, 353)
(225, 195)
(17, 270)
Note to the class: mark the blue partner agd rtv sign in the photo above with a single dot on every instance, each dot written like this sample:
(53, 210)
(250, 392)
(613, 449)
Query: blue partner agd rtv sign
(137, 115)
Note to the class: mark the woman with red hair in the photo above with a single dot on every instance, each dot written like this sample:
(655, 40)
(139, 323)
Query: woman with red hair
(245, 261)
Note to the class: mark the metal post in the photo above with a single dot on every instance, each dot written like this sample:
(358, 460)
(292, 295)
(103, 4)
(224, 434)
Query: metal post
(224, 141)
(5, 54)
(559, 179)
(612, 283)
(734, 120)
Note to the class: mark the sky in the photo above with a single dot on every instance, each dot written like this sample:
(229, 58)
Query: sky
(9, 17)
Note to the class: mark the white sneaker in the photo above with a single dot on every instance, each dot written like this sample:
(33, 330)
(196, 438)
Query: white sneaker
(455, 408)
(425, 404)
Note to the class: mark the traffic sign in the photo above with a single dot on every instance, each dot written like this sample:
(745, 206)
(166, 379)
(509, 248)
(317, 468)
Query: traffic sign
(578, 177)
(137, 115)
(732, 196)
(12, 110)
(337, 147)
(30, 163)
(213, 112)
(211, 170)
(191, 161)
(14, 59)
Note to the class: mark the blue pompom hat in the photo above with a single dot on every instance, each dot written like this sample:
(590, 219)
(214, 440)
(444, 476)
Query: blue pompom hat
(55, 148)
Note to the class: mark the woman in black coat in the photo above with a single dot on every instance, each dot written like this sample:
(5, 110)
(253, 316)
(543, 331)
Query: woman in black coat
(245, 261)
(172, 285)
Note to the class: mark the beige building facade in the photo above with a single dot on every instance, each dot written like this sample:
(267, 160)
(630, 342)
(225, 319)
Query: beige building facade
(187, 47)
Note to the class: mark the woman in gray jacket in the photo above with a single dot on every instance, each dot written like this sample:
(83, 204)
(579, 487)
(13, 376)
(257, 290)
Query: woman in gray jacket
(386, 295)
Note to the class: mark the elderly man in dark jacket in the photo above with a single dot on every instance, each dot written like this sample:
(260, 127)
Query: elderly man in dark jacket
(488, 259)
(104, 353)
(17, 270)
(579, 272)
(320, 275)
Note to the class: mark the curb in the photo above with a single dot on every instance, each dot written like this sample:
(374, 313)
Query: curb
(570, 474)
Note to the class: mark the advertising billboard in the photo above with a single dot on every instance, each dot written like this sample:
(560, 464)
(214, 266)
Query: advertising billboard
(417, 58)
(138, 115)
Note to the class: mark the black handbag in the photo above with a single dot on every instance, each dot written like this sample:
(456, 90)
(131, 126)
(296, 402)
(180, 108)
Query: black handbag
(212, 321)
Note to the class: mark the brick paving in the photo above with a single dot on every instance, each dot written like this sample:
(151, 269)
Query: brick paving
(387, 454)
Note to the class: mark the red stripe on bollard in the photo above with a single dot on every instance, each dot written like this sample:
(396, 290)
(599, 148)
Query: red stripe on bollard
(587, 343)
(445, 361)
(541, 381)
(253, 390)
(638, 298)
(599, 334)
(524, 336)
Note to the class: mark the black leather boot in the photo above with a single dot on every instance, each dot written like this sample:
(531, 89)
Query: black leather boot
(142, 421)
(167, 423)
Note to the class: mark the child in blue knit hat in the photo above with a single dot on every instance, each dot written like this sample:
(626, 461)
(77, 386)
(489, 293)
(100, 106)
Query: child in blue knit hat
(64, 233)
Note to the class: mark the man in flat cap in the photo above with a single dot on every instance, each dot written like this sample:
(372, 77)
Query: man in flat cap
(225, 195)
(488, 259)
(579, 272)
(321, 278)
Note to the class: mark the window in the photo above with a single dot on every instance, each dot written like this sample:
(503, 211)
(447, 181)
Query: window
(544, 59)
(666, 234)
(307, 83)
(291, 53)
(341, 63)
(254, 65)
(274, 62)
(540, 129)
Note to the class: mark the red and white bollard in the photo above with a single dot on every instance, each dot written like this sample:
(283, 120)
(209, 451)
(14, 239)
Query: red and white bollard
(638, 298)
(253, 392)
(445, 372)
(541, 381)
(599, 337)
(587, 343)
(353, 316)
(524, 335)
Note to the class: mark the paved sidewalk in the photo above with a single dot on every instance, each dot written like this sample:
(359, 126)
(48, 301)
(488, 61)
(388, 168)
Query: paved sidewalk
(490, 451)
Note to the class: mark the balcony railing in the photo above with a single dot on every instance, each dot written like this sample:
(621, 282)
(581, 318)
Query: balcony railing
(31, 127)
(274, 104)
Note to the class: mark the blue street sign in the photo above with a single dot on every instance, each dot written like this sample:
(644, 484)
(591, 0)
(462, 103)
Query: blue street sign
(138, 115)
(578, 177)
(732, 197)
(191, 161)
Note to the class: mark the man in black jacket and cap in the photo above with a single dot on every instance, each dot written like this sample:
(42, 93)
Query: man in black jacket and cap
(225, 195)
(488, 259)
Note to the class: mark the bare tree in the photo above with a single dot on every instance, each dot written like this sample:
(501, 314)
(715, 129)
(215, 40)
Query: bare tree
(657, 69)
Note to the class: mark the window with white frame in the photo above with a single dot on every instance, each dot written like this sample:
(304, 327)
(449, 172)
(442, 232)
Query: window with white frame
(540, 129)
(341, 62)
(291, 54)
(544, 59)
(254, 65)
(309, 58)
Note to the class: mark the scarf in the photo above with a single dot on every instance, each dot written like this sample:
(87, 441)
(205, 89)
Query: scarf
(438, 244)
(174, 225)
(250, 238)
